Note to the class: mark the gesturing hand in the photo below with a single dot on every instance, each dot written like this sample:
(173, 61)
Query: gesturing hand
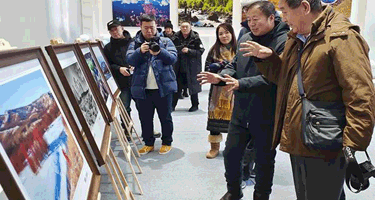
(208, 77)
(232, 82)
(254, 49)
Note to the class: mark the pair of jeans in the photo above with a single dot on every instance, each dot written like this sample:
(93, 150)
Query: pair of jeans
(237, 140)
(316, 178)
(146, 109)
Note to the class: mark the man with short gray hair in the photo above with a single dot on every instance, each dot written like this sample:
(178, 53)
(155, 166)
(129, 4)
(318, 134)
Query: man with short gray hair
(334, 67)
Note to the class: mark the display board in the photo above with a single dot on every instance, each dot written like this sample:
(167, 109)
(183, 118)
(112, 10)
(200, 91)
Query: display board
(205, 13)
(40, 144)
(97, 48)
(99, 77)
(129, 11)
(85, 102)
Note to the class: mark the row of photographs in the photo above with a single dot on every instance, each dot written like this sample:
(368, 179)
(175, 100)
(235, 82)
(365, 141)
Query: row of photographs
(44, 111)
(202, 13)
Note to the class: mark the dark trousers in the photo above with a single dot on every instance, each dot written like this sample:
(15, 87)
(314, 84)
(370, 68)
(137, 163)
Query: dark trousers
(193, 98)
(181, 84)
(315, 178)
(126, 97)
(146, 109)
(237, 140)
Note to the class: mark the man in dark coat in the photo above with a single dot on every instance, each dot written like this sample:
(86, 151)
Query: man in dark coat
(254, 104)
(115, 52)
(168, 30)
(154, 82)
(189, 64)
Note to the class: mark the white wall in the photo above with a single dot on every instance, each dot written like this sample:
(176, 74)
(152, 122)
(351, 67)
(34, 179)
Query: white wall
(364, 16)
(22, 26)
(26, 23)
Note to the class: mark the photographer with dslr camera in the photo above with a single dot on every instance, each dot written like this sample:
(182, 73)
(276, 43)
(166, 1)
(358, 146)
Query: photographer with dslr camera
(154, 82)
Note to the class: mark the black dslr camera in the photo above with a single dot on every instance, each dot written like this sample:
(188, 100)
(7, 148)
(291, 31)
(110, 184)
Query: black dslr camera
(154, 45)
(358, 175)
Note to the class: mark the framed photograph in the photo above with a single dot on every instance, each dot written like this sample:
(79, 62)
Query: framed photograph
(84, 101)
(203, 13)
(98, 50)
(94, 78)
(41, 149)
(98, 76)
(128, 12)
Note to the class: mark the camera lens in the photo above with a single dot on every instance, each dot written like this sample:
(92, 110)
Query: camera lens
(154, 47)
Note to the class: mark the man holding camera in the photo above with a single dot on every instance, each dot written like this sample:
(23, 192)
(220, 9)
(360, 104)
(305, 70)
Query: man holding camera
(154, 82)
(189, 64)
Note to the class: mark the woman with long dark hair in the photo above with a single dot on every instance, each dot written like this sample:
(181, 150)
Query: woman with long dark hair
(220, 103)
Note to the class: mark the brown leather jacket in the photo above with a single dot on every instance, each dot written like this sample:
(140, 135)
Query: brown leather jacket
(335, 66)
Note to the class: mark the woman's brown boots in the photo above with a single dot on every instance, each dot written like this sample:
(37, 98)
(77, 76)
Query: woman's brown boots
(215, 145)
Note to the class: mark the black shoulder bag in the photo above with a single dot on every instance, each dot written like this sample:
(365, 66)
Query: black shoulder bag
(322, 122)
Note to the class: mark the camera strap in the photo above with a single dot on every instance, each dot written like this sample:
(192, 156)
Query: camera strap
(353, 169)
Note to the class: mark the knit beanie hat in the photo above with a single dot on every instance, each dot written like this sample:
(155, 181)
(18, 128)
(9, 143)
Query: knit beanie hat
(168, 24)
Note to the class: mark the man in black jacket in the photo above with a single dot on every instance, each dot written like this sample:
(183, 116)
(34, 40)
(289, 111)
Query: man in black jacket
(189, 64)
(254, 104)
(115, 51)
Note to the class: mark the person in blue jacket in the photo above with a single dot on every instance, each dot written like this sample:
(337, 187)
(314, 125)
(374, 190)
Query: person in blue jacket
(154, 82)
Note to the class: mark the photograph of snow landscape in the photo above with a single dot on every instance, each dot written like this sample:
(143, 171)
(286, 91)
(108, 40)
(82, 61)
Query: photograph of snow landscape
(96, 75)
(37, 140)
(82, 94)
(129, 11)
(205, 13)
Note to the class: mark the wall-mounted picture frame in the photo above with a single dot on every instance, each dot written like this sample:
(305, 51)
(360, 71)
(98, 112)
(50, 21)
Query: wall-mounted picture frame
(128, 12)
(42, 152)
(205, 13)
(84, 100)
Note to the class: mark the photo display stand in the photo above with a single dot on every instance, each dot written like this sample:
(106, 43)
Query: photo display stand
(96, 78)
(42, 152)
(84, 101)
(101, 60)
